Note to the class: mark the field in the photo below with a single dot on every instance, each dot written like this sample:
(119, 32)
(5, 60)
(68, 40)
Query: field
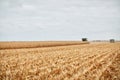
(36, 44)
(94, 61)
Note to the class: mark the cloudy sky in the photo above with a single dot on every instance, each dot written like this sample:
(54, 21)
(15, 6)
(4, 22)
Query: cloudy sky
(59, 19)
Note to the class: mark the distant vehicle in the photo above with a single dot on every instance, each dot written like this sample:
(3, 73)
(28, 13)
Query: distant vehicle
(112, 41)
(84, 39)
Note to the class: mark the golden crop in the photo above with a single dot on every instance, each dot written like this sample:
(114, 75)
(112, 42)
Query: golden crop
(36, 44)
(73, 62)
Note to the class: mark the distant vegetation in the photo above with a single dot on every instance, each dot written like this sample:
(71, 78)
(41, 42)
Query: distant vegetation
(112, 40)
(84, 39)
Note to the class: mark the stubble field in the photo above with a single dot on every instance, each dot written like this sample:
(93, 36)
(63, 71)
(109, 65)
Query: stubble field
(74, 62)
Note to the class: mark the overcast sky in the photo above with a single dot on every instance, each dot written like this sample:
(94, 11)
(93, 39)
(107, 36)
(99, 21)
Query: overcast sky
(59, 19)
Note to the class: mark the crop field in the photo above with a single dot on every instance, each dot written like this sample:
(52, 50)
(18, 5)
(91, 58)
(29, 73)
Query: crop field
(36, 44)
(74, 62)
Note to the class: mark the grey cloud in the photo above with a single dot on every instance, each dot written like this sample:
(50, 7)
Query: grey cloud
(63, 19)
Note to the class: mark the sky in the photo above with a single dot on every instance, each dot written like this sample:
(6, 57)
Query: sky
(29, 20)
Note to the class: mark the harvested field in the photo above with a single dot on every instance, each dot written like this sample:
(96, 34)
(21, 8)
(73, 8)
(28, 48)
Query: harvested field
(73, 62)
(36, 44)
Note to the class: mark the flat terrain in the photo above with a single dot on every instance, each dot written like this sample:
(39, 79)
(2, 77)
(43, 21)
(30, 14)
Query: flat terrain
(73, 62)
(37, 44)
